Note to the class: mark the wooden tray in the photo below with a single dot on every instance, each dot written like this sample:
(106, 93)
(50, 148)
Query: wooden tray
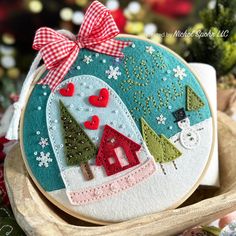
(37, 216)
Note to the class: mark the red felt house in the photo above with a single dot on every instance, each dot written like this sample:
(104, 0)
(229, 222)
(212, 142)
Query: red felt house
(116, 152)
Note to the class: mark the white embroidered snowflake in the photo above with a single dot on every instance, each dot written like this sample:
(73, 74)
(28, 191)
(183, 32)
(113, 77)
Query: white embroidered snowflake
(113, 72)
(43, 142)
(87, 59)
(150, 49)
(161, 120)
(44, 159)
(179, 72)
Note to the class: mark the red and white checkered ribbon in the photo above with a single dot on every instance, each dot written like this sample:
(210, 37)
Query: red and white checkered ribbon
(96, 33)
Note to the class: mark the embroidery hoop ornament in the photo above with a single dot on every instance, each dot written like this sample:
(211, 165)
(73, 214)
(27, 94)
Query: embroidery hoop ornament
(37, 76)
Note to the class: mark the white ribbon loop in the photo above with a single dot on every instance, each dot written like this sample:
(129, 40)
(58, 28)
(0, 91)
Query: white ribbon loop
(12, 132)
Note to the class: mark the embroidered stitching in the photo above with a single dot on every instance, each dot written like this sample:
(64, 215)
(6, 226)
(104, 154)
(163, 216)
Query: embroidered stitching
(194, 102)
(79, 149)
(159, 146)
(113, 72)
(78, 146)
(92, 124)
(143, 109)
(179, 72)
(44, 159)
(146, 104)
(87, 59)
(67, 91)
(113, 96)
(159, 60)
(101, 100)
(150, 49)
(161, 120)
(106, 190)
(111, 140)
(43, 142)
(139, 74)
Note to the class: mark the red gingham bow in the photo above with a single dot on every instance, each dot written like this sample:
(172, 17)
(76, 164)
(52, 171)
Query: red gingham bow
(96, 33)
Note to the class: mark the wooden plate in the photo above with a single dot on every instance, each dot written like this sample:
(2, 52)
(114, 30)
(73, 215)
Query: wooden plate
(37, 216)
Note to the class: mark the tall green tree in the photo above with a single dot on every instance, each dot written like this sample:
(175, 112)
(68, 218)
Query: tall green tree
(79, 149)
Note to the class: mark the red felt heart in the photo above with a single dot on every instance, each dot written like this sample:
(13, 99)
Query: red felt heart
(101, 100)
(68, 91)
(93, 124)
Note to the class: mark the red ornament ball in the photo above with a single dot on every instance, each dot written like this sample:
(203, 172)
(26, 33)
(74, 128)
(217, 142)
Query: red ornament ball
(172, 8)
(119, 18)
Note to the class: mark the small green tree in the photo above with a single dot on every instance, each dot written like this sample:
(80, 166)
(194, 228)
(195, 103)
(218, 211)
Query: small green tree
(218, 49)
(169, 150)
(79, 149)
(159, 146)
(194, 102)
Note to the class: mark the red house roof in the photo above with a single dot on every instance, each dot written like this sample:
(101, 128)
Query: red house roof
(111, 140)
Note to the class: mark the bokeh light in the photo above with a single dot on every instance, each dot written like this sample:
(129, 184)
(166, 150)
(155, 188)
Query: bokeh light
(66, 14)
(35, 6)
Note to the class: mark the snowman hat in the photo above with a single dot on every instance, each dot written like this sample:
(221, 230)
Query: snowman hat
(179, 114)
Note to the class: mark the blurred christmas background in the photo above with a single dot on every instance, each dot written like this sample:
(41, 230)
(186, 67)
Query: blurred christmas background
(157, 20)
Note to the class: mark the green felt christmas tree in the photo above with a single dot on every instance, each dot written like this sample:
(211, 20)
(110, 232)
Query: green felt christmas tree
(159, 146)
(218, 48)
(194, 102)
(79, 149)
(170, 151)
(153, 142)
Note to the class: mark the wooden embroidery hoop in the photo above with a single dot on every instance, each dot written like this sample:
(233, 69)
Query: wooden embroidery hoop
(95, 221)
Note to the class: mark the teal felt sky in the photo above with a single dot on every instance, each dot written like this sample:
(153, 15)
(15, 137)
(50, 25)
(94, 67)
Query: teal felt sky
(157, 80)
(145, 82)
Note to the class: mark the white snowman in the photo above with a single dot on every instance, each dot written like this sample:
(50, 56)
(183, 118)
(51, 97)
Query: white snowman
(189, 137)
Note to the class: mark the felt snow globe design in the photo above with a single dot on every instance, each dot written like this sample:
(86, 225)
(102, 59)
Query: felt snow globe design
(113, 122)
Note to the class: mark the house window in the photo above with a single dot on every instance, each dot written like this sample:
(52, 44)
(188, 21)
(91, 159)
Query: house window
(111, 160)
(120, 153)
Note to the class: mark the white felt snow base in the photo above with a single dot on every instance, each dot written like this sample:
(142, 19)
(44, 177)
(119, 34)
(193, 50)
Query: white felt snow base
(155, 193)
(207, 76)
